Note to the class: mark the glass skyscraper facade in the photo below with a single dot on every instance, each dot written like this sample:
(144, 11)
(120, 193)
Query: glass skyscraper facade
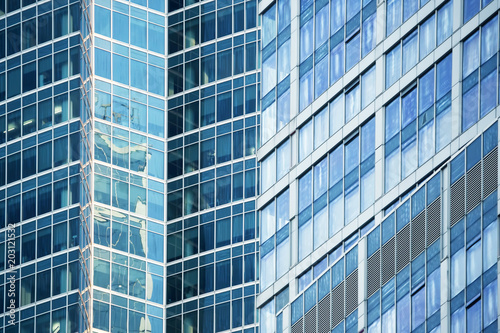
(128, 170)
(379, 166)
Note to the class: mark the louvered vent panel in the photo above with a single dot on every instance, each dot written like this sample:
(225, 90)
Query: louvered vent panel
(324, 315)
(457, 201)
(310, 321)
(337, 304)
(388, 260)
(490, 172)
(434, 221)
(418, 235)
(297, 327)
(473, 187)
(373, 273)
(351, 292)
(403, 248)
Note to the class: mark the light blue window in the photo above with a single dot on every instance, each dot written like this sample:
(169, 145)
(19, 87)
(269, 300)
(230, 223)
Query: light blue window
(392, 66)
(352, 103)
(120, 21)
(306, 85)
(156, 38)
(471, 7)
(268, 218)
(393, 15)
(367, 164)
(321, 25)
(320, 208)
(156, 80)
(353, 8)
(305, 140)
(368, 87)
(409, 8)
(320, 127)
(138, 74)
(470, 103)
(473, 262)
(306, 39)
(284, 14)
(284, 60)
(458, 320)
(268, 26)
(426, 118)
(351, 174)
(336, 172)
(102, 21)
(443, 105)
(490, 303)
(138, 32)
(369, 34)
(336, 62)
(352, 51)
(489, 48)
(336, 114)
(269, 71)
(337, 15)
(427, 36)
(305, 222)
(102, 63)
(388, 308)
(474, 317)
(445, 22)
(410, 51)
(283, 159)
(408, 135)
(268, 171)
(418, 308)
(283, 109)
(321, 71)
(268, 126)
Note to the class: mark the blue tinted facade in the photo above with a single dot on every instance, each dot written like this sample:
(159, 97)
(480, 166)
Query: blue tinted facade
(379, 159)
(128, 165)
(45, 166)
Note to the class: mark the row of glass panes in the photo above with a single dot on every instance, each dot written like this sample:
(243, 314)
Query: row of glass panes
(202, 113)
(359, 34)
(69, 320)
(141, 74)
(132, 114)
(401, 9)
(227, 21)
(22, 36)
(212, 193)
(142, 33)
(479, 72)
(232, 61)
(128, 280)
(406, 54)
(327, 282)
(343, 108)
(350, 186)
(233, 314)
(21, 164)
(136, 320)
(39, 73)
(206, 153)
(407, 300)
(417, 124)
(209, 235)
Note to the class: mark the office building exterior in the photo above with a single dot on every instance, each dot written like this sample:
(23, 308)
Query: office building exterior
(379, 166)
(128, 171)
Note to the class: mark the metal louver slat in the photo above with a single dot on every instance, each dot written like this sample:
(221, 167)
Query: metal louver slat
(403, 248)
(434, 221)
(457, 201)
(310, 321)
(373, 273)
(490, 172)
(324, 315)
(418, 235)
(473, 187)
(388, 260)
(351, 292)
(297, 327)
(337, 304)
